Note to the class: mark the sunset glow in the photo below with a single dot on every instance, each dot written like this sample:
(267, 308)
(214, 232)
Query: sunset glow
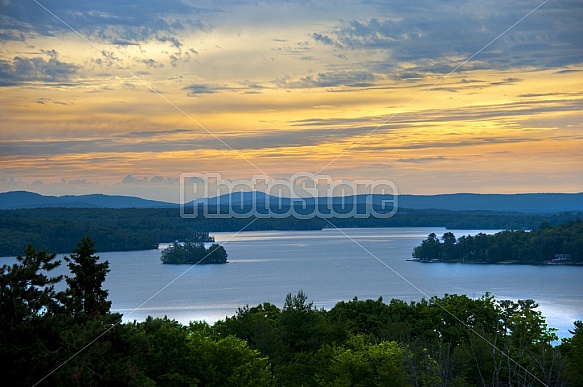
(131, 96)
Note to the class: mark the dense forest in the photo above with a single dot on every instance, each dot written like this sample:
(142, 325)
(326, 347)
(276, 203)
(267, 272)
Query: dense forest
(193, 253)
(57, 229)
(547, 244)
(71, 338)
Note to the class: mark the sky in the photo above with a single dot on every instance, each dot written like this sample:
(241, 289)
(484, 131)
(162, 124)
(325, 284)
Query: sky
(122, 97)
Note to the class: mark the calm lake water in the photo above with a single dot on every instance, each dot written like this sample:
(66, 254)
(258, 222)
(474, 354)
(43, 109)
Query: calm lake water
(329, 266)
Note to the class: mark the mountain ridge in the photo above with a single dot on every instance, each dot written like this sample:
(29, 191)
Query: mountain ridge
(523, 202)
(25, 199)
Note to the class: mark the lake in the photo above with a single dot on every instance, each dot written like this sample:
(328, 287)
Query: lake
(329, 265)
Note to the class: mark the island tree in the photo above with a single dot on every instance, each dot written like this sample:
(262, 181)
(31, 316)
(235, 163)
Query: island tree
(193, 253)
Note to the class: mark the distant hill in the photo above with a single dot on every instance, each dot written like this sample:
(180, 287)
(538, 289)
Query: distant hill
(24, 199)
(525, 203)
(530, 202)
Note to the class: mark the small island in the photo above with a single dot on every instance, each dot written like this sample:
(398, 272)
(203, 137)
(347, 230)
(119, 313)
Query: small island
(194, 252)
(546, 245)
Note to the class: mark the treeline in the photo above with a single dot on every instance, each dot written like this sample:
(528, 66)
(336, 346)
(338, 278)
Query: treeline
(193, 253)
(57, 229)
(537, 246)
(71, 338)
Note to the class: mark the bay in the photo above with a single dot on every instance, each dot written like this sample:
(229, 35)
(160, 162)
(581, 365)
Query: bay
(329, 265)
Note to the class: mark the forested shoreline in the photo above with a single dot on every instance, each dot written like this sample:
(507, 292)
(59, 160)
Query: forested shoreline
(71, 338)
(57, 229)
(547, 244)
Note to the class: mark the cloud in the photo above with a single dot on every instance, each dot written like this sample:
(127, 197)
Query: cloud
(154, 180)
(198, 89)
(123, 43)
(124, 23)
(299, 49)
(355, 78)
(276, 139)
(245, 87)
(317, 131)
(475, 141)
(155, 133)
(567, 71)
(506, 81)
(151, 63)
(423, 159)
(24, 70)
(440, 37)
(172, 40)
(45, 101)
(13, 184)
(516, 110)
(322, 39)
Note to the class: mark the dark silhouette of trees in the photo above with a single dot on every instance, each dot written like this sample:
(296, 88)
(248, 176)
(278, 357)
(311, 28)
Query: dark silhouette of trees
(42, 329)
(85, 296)
(193, 253)
(58, 229)
(572, 349)
(27, 298)
(537, 246)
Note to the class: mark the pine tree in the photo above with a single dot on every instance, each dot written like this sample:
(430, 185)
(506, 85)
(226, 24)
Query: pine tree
(85, 296)
(27, 300)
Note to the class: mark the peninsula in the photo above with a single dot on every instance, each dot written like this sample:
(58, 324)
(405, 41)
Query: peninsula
(551, 245)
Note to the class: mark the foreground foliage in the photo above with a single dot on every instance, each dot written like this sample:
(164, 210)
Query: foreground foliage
(71, 338)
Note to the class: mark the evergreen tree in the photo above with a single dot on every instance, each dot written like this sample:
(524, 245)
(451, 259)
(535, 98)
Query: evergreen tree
(85, 296)
(27, 298)
(25, 292)
(572, 349)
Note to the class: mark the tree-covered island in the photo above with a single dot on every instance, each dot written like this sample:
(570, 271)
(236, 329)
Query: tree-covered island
(547, 244)
(193, 253)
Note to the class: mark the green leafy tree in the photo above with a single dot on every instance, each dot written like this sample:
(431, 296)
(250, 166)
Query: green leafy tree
(525, 351)
(430, 248)
(260, 327)
(95, 353)
(304, 328)
(189, 356)
(449, 249)
(367, 317)
(359, 363)
(168, 359)
(228, 361)
(216, 254)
